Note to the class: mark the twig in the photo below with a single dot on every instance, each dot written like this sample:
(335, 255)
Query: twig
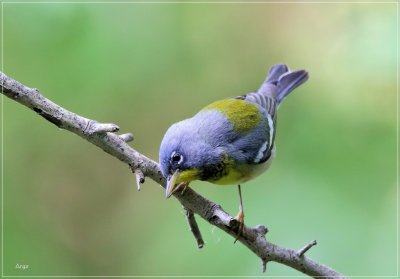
(252, 238)
(139, 178)
(194, 228)
(103, 128)
(264, 265)
(126, 137)
(303, 250)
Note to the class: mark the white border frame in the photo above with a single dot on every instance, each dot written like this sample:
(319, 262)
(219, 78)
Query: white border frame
(199, 2)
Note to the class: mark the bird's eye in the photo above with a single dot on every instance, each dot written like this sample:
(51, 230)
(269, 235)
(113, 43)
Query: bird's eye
(176, 157)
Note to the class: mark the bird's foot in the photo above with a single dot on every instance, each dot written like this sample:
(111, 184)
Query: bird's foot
(240, 219)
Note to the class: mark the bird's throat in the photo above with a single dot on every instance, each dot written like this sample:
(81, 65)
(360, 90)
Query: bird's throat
(188, 176)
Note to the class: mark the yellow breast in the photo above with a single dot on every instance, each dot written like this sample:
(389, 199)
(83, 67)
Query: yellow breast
(240, 174)
(231, 178)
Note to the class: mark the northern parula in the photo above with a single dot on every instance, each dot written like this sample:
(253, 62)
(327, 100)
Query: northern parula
(229, 141)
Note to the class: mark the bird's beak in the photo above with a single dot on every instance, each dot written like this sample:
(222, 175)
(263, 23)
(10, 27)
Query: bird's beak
(171, 184)
(180, 178)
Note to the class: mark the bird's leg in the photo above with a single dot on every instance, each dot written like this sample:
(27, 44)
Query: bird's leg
(240, 216)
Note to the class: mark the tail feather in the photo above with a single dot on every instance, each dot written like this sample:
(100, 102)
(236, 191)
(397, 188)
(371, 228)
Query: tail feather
(288, 82)
(275, 72)
(280, 81)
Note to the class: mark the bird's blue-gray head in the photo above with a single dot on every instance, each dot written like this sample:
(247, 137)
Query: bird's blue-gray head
(187, 154)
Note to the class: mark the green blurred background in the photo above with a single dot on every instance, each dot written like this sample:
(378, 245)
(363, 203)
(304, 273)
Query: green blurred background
(71, 209)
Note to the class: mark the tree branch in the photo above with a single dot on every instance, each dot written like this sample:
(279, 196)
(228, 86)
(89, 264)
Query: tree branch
(194, 228)
(103, 135)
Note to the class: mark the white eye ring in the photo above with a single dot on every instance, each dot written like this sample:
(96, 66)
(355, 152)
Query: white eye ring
(176, 157)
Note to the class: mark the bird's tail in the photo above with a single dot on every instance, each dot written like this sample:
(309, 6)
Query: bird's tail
(281, 81)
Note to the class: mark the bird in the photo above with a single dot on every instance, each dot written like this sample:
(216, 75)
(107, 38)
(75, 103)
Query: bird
(229, 141)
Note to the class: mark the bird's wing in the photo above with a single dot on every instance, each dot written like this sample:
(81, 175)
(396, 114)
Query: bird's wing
(268, 106)
(244, 132)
